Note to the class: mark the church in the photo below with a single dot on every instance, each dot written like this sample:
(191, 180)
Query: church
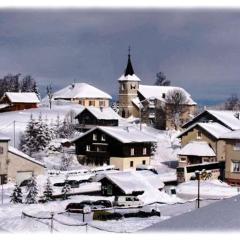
(151, 103)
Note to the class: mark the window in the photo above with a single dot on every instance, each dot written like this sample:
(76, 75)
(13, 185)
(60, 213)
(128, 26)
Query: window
(1, 150)
(144, 162)
(131, 163)
(132, 151)
(87, 148)
(236, 166)
(94, 137)
(199, 135)
(103, 137)
(133, 86)
(163, 95)
(144, 151)
(91, 103)
(102, 103)
(98, 149)
(122, 87)
(236, 147)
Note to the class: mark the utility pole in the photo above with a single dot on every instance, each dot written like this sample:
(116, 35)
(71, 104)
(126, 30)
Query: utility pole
(51, 226)
(14, 132)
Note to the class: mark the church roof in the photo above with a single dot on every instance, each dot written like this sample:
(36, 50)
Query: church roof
(129, 74)
(129, 69)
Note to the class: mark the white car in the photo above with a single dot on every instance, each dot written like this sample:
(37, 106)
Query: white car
(127, 201)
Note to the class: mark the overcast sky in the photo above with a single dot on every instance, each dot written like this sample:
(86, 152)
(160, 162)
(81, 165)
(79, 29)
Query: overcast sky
(198, 50)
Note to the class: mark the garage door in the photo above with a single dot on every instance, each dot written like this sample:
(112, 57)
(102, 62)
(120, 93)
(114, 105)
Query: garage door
(23, 176)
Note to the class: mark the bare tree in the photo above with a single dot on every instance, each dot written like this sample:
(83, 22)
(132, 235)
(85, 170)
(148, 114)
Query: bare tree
(176, 106)
(232, 103)
(50, 95)
(161, 80)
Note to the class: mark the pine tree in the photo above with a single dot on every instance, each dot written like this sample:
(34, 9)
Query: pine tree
(16, 196)
(48, 191)
(32, 192)
(36, 136)
(36, 90)
(65, 190)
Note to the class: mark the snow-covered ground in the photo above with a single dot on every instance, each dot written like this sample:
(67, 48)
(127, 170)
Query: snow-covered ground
(209, 189)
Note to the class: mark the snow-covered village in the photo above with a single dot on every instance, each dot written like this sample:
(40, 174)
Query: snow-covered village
(129, 155)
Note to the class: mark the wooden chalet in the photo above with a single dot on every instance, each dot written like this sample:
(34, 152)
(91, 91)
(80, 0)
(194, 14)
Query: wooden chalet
(15, 101)
(123, 147)
(91, 117)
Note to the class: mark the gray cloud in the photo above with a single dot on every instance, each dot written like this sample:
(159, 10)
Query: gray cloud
(198, 50)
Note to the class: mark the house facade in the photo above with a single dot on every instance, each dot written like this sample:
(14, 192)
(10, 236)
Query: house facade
(16, 101)
(123, 147)
(84, 94)
(16, 165)
(231, 144)
(215, 129)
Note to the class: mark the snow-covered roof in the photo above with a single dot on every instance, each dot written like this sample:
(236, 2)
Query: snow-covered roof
(158, 92)
(227, 118)
(79, 91)
(4, 138)
(216, 217)
(22, 97)
(131, 182)
(197, 148)
(23, 155)
(106, 113)
(136, 101)
(2, 106)
(129, 77)
(123, 134)
(231, 135)
(213, 128)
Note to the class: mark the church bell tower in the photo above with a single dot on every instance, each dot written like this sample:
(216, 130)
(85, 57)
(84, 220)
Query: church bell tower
(128, 87)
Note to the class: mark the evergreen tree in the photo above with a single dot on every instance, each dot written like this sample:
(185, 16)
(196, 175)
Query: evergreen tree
(65, 190)
(16, 196)
(36, 136)
(66, 130)
(36, 90)
(32, 192)
(48, 191)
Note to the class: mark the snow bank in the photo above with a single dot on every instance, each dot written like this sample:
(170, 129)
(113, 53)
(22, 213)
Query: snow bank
(210, 189)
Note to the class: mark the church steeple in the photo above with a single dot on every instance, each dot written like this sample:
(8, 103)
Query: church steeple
(129, 69)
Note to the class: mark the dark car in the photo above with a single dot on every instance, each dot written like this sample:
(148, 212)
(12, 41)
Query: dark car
(77, 207)
(99, 204)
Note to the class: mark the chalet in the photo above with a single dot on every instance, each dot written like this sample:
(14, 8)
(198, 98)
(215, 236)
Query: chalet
(124, 147)
(128, 183)
(91, 117)
(15, 101)
(16, 165)
(149, 102)
(84, 94)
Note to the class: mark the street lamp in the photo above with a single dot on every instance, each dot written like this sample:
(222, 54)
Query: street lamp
(151, 99)
(201, 175)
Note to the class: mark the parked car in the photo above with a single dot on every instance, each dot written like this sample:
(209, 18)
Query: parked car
(78, 207)
(101, 204)
(72, 183)
(127, 201)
